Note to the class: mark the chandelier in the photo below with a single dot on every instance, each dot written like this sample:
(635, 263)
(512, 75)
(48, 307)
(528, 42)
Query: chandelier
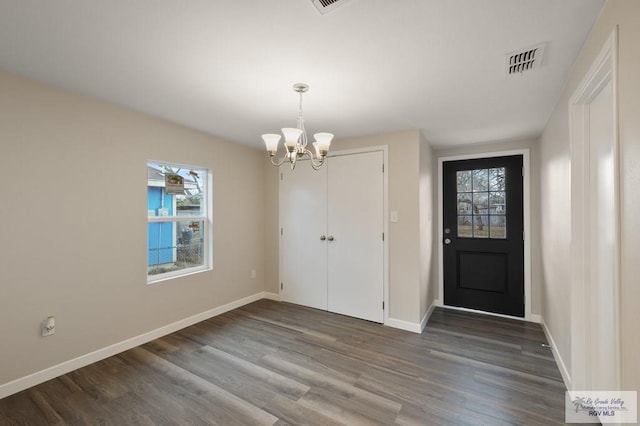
(295, 141)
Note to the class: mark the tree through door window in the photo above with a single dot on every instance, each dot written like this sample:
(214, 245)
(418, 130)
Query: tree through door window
(482, 207)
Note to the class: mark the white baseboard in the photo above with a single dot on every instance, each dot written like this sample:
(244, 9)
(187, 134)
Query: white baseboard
(271, 296)
(404, 325)
(535, 318)
(566, 377)
(414, 327)
(427, 315)
(36, 378)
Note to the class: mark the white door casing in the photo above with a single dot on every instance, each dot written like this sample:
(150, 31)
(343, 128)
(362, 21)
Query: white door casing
(602, 228)
(595, 229)
(528, 316)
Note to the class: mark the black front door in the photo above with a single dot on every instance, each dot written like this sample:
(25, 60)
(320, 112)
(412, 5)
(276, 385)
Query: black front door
(483, 238)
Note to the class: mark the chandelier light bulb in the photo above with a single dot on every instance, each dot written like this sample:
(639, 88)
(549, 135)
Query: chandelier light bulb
(291, 137)
(271, 141)
(323, 140)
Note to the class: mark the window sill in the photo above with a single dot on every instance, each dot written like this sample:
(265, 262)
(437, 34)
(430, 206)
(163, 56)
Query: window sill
(154, 279)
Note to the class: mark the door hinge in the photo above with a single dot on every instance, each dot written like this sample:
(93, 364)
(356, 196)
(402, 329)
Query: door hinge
(383, 236)
(281, 286)
(281, 177)
(383, 305)
(382, 167)
(523, 236)
(281, 232)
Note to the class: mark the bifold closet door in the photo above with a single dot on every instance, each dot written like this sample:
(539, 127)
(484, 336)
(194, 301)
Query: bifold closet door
(303, 221)
(355, 231)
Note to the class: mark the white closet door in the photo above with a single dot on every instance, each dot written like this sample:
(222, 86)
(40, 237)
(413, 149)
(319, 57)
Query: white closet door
(355, 221)
(303, 220)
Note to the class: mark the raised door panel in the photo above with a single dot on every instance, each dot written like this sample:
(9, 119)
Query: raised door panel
(303, 220)
(355, 223)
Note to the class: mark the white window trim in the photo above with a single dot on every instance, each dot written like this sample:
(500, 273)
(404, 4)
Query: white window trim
(206, 218)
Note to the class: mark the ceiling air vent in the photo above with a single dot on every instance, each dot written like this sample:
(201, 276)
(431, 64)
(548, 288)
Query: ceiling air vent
(326, 6)
(525, 60)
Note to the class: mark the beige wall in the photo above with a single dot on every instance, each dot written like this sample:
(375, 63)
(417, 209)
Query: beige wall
(555, 185)
(555, 215)
(272, 220)
(73, 225)
(404, 238)
(428, 226)
(534, 170)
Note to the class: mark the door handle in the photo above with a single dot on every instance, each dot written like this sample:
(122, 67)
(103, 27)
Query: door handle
(322, 237)
(447, 241)
(330, 238)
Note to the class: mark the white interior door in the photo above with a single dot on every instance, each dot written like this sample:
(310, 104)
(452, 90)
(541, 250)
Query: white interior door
(303, 220)
(355, 227)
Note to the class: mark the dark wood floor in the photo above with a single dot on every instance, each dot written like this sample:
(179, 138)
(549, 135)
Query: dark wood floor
(277, 363)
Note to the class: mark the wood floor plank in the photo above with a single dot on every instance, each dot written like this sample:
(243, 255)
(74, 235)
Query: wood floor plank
(50, 415)
(280, 383)
(236, 407)
(342, 410)
(276, 363)
(318, 381)
(294, 413)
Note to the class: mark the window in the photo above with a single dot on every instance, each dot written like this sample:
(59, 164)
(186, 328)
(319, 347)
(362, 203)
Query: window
(482, 203)
(178, 224)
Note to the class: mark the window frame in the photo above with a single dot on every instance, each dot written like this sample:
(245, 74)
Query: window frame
(206, 207)
(471, 192)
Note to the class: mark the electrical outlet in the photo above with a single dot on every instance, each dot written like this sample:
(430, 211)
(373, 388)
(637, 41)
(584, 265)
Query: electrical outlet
(253, 273)
(49, 326)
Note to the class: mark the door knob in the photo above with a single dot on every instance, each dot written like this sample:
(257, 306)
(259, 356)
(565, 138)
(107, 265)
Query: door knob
(322, 237)
(330, 238)
(447, 241)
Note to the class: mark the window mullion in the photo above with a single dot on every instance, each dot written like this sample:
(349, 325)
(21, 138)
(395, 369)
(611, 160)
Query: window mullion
(161, 219)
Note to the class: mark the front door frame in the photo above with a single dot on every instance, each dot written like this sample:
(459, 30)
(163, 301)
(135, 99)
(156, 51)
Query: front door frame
(526, 195)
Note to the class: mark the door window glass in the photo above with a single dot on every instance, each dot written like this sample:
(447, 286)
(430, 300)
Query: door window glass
(482, 204)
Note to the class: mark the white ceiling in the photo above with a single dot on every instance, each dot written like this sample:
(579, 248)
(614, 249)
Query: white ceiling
(373, 66)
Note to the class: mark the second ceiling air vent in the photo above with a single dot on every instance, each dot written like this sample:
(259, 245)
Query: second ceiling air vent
(326, 6)
(525, 60)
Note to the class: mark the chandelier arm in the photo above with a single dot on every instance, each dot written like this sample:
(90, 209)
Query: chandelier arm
(316, 163)
(279, 162)
(293, 158)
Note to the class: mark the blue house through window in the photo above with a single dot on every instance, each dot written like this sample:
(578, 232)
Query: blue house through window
(160, 235)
